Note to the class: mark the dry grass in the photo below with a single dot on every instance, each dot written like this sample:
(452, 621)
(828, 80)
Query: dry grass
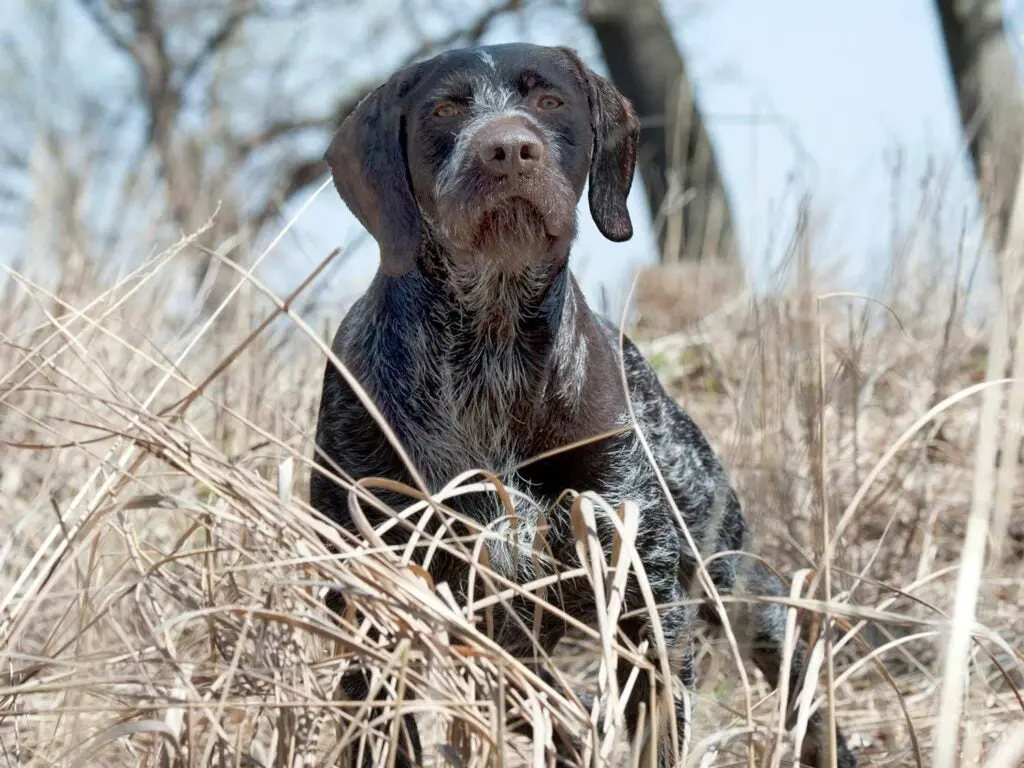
(161, 567)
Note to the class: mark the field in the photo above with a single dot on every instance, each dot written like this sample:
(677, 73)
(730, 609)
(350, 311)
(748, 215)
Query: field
(161, 567)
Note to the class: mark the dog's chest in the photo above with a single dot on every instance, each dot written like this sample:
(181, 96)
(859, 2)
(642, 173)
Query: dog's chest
(486, 397)
(474, 378)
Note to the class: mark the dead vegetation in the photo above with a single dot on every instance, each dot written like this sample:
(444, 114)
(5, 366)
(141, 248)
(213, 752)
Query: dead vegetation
(161, 567)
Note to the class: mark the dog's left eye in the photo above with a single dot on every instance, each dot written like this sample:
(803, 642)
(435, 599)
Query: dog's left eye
(549, 102)
(446, 109)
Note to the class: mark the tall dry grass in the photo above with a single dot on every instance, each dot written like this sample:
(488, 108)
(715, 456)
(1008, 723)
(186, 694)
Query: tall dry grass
(161, 572)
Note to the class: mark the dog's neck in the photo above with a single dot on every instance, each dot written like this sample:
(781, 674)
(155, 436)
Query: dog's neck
(496, 304)
(500, 346)
(501, 298)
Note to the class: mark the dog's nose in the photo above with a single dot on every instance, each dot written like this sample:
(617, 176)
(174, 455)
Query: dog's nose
(510, 149)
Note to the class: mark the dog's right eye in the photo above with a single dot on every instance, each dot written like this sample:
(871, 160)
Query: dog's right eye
(446, 109)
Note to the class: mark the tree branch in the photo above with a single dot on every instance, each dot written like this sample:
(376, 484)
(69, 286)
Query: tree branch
(295, 9)
(148, 51)
(284, 128)
(240, 11)
(91, 8)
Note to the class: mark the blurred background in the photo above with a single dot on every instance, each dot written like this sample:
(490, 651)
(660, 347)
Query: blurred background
(127, 122)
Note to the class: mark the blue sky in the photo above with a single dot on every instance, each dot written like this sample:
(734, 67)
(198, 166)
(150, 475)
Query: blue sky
(821, 91)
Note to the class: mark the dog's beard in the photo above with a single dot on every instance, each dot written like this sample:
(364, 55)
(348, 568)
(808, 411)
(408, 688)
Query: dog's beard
(513, 228)
(514, 231)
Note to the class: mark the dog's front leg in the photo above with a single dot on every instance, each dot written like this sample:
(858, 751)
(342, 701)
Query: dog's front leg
(356, 687)
(656, 732)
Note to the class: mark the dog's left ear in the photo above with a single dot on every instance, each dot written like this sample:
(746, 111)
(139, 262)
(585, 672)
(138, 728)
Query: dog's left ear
(616, 134)
(367, 158)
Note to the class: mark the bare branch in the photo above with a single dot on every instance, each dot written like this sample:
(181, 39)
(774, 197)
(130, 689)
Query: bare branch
(467, 35)
(106, 26)
(151, 49)
(240, 11)
(297, 8)
(284, 128)
(148, 51)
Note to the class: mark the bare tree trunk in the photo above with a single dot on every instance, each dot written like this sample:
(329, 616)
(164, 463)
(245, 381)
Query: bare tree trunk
(677, 162)
(991, 100)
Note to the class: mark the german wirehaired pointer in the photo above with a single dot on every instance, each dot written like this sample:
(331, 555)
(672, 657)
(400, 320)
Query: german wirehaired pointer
(476, 344)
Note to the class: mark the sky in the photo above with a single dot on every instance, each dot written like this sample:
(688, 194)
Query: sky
(823, 92)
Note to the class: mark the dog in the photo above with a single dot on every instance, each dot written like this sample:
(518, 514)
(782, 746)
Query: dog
(477, 346)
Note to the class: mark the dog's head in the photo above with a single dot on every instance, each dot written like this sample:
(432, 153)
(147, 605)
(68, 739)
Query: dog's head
(487, 151)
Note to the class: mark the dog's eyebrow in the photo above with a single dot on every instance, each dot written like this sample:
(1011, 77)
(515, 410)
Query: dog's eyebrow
(530, 79)
(454, 86)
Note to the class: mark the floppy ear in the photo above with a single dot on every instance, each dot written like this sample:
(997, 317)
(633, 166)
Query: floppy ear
(367, 158)
(616, 133)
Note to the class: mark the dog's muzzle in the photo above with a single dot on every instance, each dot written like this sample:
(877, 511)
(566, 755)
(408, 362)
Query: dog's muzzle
(505, 193)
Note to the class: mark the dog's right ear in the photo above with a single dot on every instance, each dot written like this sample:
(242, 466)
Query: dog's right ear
(367, 158)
